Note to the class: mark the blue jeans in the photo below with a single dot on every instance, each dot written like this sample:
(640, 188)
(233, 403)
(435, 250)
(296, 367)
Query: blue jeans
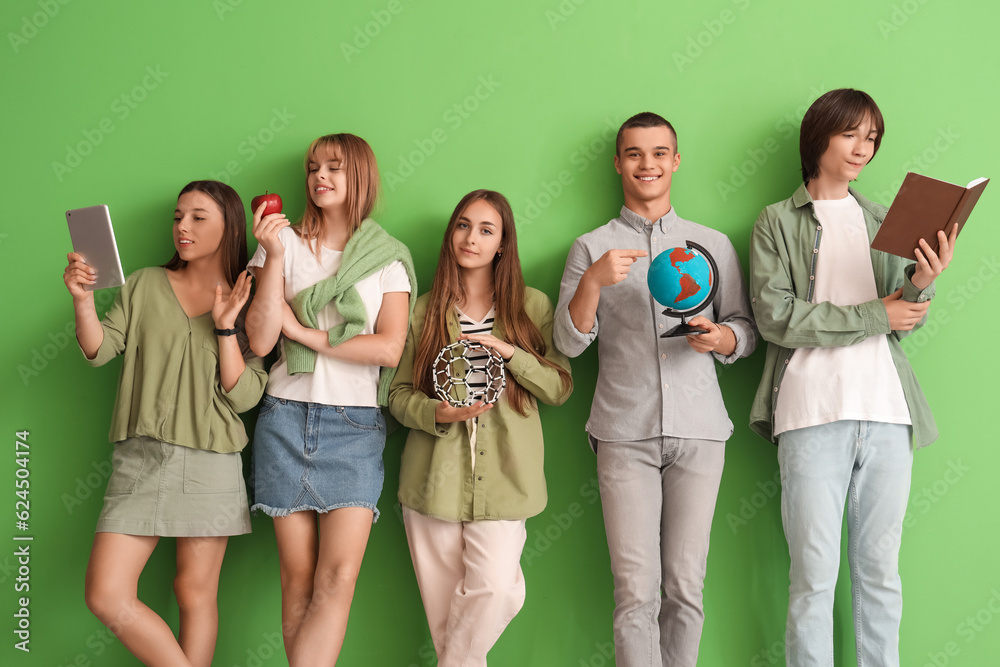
(658, 497)
(869, 465)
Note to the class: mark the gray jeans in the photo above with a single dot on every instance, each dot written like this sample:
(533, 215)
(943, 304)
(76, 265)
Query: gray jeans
(659, 498)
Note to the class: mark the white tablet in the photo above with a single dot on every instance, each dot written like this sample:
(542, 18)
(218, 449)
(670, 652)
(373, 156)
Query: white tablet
(94, 238)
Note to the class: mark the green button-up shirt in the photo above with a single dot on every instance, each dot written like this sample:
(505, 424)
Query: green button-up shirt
(437, 476)
(784, 251)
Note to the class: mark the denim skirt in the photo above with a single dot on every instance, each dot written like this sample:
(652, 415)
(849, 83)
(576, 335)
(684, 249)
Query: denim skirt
(311, 456)
(159, 488)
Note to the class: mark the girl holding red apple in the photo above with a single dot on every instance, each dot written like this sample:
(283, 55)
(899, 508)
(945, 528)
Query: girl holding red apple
(334, 293)
(187, 373)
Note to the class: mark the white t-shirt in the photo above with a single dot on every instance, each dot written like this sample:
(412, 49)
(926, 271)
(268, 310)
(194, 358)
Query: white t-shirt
(826, 384)
(334, 382)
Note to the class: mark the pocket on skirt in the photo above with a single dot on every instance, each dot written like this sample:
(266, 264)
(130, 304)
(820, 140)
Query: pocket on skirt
(127, 463)
(367, 419)
(211, 472)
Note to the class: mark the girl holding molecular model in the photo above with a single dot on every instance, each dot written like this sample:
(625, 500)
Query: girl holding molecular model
(472, 469)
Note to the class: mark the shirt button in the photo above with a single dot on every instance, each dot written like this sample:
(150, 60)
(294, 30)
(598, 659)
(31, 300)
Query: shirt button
(812, 277)
(482, 453)
(661, 326)
(480, 478)
(666, 386)
(775, 391)
(753, 299)
(655, 239)
(663, 356)
(787, 360)
(819, 228)
(815, 250)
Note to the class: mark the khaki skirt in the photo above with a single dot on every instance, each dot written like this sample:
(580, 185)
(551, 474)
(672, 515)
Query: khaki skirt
(158, 488)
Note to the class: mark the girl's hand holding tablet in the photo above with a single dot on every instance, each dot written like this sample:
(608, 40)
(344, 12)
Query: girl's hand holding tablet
(78, 274)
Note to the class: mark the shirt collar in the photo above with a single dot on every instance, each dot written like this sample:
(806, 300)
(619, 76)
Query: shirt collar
(801, 197)
(639, 223)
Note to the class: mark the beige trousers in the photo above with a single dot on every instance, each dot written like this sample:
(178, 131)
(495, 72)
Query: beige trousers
(470, 580)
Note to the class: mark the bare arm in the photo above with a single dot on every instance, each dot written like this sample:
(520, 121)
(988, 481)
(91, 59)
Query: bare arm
(265, 313)
(224, 312)
(89, 331)
(381, 348)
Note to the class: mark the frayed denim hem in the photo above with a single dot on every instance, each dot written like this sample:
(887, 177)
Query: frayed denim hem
(276, 512)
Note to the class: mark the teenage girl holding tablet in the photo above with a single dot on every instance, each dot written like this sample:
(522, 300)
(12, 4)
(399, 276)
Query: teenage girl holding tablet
(187, 373)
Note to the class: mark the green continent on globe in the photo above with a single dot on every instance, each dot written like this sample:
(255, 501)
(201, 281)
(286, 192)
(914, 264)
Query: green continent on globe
(689, 286)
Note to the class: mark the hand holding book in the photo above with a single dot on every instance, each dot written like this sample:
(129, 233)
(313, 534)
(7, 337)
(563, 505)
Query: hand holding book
(926, 208)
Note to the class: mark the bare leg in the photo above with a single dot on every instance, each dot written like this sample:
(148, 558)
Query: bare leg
(199, 560)
(343, 539)
(116, 561)
(298, 547)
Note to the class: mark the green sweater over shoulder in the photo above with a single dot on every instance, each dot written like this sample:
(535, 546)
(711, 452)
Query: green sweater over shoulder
(170, 387)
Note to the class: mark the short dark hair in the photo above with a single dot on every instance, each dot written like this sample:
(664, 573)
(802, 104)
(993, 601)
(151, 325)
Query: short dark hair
(644, 119)
(834, 112)
(234, 235)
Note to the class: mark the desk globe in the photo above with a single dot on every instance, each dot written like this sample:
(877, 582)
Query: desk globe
(684, 280)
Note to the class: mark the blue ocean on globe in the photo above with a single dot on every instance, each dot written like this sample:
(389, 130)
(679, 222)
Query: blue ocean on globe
(680, 279)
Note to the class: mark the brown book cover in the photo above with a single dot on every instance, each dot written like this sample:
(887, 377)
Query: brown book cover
(923, 206)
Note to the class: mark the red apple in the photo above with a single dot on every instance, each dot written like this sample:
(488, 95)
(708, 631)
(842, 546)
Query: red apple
(273, 203)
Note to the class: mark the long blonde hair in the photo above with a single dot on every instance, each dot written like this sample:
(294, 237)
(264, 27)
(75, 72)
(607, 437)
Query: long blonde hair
(362, 183)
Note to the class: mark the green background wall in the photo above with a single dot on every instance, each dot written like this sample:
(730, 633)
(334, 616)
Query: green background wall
(124, 102)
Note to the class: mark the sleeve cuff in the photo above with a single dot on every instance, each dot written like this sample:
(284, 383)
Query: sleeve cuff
(427, 421)
(743, 333)
(568, 339)
(248, 389)
(105, 353)
(911, 292)
(875, 317)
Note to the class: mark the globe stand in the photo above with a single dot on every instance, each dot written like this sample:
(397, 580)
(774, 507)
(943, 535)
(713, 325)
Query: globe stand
(682, 329)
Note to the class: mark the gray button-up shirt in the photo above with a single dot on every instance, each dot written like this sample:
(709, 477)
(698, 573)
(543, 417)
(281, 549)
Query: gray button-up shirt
(649, 386)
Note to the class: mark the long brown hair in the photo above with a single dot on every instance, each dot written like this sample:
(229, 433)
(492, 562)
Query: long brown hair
(362, 183)
(234, 231)
(508, 299)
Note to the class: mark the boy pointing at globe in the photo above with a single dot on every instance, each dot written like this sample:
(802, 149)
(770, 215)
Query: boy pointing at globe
(658, 423)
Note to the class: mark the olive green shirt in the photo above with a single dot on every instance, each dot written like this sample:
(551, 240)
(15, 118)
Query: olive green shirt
(784, 251)
(437, 477)
(170, 388)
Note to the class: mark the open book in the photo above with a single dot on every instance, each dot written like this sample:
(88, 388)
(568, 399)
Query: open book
(923, 206)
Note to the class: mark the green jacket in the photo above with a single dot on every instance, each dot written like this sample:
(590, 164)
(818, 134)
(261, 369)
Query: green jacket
(436, 476)
(784, 251)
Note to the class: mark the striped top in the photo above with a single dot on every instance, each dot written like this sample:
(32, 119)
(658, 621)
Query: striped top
(478, 358)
